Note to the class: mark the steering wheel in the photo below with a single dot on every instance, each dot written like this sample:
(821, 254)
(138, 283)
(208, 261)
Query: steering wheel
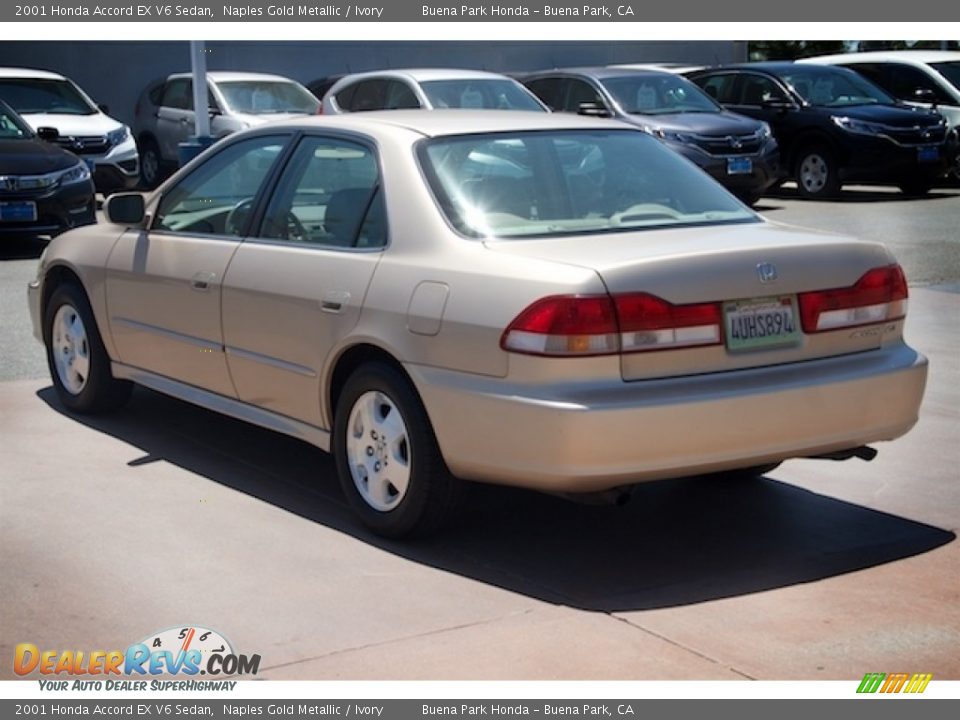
(294, 229)
(236, 220)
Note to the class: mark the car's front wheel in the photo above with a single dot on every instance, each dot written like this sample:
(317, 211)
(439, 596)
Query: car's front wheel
(816, 173)
(79, 364)
(388, 461)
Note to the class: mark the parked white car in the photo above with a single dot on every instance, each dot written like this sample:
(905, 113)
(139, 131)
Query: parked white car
(917, 77)
(429, 89)
(45, 99)
(164, 115)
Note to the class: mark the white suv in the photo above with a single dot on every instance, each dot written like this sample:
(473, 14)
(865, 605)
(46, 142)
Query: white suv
(45, 99)
(164, 115)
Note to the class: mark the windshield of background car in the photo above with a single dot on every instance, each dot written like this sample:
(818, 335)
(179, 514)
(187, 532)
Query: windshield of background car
(12, 127)
(490, 94)
(655, 95)
(554, 183)
(834, 87)
(38, 95)
(950, 70)
(263, 97)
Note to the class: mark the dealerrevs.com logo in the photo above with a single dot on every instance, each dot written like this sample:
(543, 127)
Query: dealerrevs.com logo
(181, 651)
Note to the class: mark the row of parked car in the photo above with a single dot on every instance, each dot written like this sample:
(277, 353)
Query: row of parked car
(868, 117)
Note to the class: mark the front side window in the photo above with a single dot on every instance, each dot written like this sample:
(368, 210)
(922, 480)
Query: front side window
(37, 95)
(265, 97)
(479, 94)
(658, 95)
(329, 195)
(570, 182)
(951, 72)
(756, 90)
(218, 197)
(580, 92)
(906, 80)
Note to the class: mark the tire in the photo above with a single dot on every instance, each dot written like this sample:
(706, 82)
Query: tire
(915, 187)
(151, 164)
(79, 364)
(382, 439)
(816, 173)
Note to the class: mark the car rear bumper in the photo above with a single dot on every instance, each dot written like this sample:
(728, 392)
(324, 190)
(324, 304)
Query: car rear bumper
(586, 439)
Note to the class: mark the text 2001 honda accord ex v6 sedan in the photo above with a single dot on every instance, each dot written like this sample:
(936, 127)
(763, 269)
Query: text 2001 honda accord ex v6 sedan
(555, 302)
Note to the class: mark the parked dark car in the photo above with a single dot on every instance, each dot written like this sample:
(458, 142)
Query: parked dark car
(44, 189)
(737, 151)
(834, 126)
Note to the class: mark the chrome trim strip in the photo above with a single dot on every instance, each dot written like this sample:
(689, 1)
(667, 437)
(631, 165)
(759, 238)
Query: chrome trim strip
(227, 406)
(270, 360)
(169, 334)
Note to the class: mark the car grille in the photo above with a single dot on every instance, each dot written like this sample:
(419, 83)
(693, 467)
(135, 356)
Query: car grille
(916, 135)
(84, 144)
(23, 186)
(728, 144)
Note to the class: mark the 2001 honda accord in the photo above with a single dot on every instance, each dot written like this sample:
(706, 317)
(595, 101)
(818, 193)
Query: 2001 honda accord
(555, 302)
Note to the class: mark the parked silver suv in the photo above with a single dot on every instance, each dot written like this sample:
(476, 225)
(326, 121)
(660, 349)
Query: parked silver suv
(164, 115)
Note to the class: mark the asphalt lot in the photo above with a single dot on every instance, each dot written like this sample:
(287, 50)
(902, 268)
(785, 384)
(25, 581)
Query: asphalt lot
(165, 515)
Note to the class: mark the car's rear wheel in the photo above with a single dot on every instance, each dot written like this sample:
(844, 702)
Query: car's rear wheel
(816, 173)
(388, 461)
(151, 164)
(79, 364)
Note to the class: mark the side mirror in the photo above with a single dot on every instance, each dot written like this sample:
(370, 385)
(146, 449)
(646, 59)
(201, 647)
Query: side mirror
(925, 95)
(125, 209)
(105, 109)
(214, 111)
(592, 109)
(775, 104)
(48, 134)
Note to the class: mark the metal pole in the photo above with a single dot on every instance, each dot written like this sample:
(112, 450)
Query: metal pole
(198, 65)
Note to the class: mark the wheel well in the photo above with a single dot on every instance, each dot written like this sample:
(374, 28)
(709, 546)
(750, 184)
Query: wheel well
(810, 140)
(145, 138)
(352, 359)
(56, 276)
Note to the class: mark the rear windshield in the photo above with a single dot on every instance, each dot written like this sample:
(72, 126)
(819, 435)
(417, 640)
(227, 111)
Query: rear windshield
(658, 95)
(264, 97)
(834, 87)
(37, 95)
(950, 70)
(554, 183)
(492, 94)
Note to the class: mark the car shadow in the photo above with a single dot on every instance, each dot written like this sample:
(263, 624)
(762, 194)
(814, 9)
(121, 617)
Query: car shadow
(676, 543)
(863, 195)
(19, 247)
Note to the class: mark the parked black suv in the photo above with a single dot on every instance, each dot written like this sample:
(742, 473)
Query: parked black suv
(736, 150)
(44, 189)
(835, 126)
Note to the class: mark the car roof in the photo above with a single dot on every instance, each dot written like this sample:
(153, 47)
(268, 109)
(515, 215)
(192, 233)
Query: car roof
(671, 67)
(425, 74)
(12, 72)
(227, 76)
(436, 123)
(602, 72)
(911, 57)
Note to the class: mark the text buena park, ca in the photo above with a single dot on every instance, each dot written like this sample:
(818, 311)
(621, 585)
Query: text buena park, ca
(546, 11)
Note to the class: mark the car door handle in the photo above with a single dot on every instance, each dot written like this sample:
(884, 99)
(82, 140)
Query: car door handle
(202, 281)
(334, 301)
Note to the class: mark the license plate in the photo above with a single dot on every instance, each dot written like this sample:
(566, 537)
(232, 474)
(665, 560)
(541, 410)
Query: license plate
(18, 212)
(928, 154)
(760, 322)
(739, 166)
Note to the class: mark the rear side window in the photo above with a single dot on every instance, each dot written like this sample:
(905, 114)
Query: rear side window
(399, 96)
(329, 195)
(344, 98)
(156, 93)
(177, 95)
(368, 96)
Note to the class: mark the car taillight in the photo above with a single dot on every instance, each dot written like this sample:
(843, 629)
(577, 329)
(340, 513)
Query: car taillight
(565, 325)
(651, 323)
(880, 295)
(582, 325)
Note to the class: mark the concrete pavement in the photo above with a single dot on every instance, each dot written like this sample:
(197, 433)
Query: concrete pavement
(165, 515)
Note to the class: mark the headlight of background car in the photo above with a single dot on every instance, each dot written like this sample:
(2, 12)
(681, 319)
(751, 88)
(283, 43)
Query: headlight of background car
(78, 173)
(115, 137)
(671, 135)
(764, 133)
(857, 126)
